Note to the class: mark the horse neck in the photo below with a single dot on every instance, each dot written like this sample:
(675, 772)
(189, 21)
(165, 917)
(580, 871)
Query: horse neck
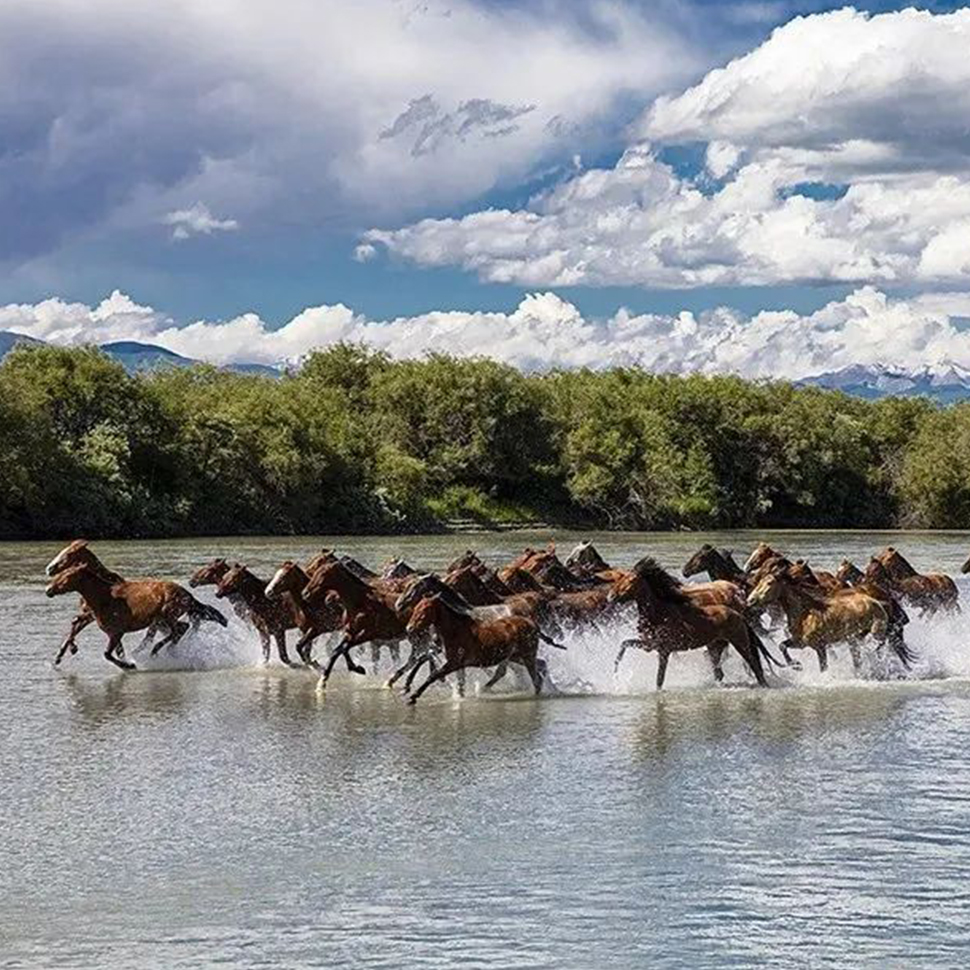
(251, 589)
(354, 591)
(95, 589)
(719, 568)
(99, 568)
(901, 569)
(452, 625)
(472, 588)
(796, 603)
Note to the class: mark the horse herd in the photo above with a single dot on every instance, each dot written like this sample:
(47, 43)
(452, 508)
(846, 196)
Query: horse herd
(475, 616)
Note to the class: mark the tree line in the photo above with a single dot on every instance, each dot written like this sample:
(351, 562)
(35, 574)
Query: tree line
(356, 442)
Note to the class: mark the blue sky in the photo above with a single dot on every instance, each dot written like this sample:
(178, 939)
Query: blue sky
(213, 162)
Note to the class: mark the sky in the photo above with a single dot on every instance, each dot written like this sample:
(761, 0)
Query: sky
(764, 187)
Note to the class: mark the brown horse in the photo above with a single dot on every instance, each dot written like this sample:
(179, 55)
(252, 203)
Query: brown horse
(670, 622)
(717, 563)
(125, 607)
(78, 553)
(928, 593)
(369, 614)
(313, 620)
(471, 642)
(762, 553)
(849, 574)
(818, 620)
(802, 572)
(211, 574)
(272, 618)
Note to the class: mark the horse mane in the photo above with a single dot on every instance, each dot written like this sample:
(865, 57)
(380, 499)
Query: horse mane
(665, 587)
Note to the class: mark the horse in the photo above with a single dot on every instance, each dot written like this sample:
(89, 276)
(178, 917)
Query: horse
(289, 581)
(585, 562)
(272, 618)
(78, 553)
(128, 606)
(717, 563)
(929, 593)
(431, 585)
(801, 571)
(211, 574)
(369, 614)
(818, 620)
(472, 642)
(761, 554)
(849, 574)
(669, 622)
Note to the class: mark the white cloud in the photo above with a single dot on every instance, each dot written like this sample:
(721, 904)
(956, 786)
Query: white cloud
(300, 113)
(545, 331)
(197, 220)
(877, 105)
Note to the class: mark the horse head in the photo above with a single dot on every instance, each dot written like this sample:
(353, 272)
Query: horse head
(210, 574)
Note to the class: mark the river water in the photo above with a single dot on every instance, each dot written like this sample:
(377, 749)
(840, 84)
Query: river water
(213, 811)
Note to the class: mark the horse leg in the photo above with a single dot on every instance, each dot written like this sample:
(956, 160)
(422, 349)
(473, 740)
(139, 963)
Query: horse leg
(535, 674)
(77, 625)
(716, 652)
(375, 655)
(663, 656)
(111, 653)
(823, 659)
(395, 649)
(176, 630)
(450, 667)
(417, 656)
(624, 646)
(280, 637)
(856, 653)
(500, 672)
(789, 659)
(429, 658)
(264, 644)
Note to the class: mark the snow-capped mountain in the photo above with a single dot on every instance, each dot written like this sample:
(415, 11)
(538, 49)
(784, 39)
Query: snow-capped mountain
(944, 381)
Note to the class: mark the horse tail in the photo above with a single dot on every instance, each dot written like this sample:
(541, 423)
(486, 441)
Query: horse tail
(759, 645)
(202, 611)
(550, 641)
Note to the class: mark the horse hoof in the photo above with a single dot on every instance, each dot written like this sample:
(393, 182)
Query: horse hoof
(412, 701)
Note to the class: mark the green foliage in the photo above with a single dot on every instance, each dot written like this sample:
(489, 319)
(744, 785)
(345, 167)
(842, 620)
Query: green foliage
(356, 442)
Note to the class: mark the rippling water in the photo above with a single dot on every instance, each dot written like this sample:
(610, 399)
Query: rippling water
(229, 815)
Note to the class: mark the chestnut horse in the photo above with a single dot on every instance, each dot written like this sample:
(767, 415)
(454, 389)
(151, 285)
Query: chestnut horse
(313, 620)
(670, 622)
(125, 607)
(929, 593)
(472, 642)
(369, 614)
(818, 620)
(211, 575)
(78, 553)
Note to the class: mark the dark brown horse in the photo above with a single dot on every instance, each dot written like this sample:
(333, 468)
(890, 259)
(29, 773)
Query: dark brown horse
(670, 622)
(928, 593)
(313, 620)
(472, 642)
(126, 607)
(78, 553)
(369, 614)
(211, 574)
(271, 617)
(717, 563)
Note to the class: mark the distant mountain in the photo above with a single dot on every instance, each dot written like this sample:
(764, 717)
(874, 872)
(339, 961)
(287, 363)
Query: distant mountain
(945, 381)
(136, 357)
(9, 340)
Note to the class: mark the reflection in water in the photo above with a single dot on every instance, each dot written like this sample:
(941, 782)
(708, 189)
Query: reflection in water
(98, 702)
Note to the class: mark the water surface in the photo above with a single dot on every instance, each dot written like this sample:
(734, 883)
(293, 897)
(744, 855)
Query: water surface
(221, 812)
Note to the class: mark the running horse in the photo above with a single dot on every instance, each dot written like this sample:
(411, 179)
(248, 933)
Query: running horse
(130, 606)
(78, 553)
(818, 620)
(472, 642)
(928, 593)
(271, 617)
(671, 622)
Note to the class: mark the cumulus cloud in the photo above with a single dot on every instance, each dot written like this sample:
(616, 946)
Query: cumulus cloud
(197, 220)
(866, 328)
(836, 151)
(307, 113)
